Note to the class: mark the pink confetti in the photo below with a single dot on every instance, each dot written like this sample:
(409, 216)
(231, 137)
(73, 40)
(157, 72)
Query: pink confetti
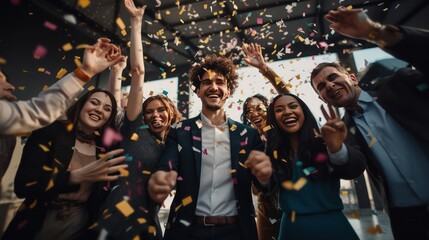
(50, 25)
(110, 136)
(196, 138)
(234, 180)
(321, 157)
(179, 178)
(187, 128)
(244, 143)
(205, 151)
(259, 21)
(170, 165)
(40, 52)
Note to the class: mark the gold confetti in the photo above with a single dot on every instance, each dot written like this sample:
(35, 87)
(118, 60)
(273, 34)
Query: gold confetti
(242, 151)
(67, 47)
(2, 60)
(265, 129)
(90, 88)
(45, 87)
(44, 148)
(80, 46)
(151, 229)
(146, 172)
(123, 172)
(287, 185)
(46, 168)
(178, 207)
(125, 208)
(232, 170)
(61, 73)
(50, 185)
(33, 204)
(69, 127)
(233, 127)
(83, 3)
(372, 142)
(187, 200)
(134, 137)
(120, 23)
(41, 69)
(292, 216)
(275, 154)
(141, 220)
(300, 183)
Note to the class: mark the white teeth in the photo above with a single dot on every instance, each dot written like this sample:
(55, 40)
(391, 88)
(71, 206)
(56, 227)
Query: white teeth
(290, 121)
(94, 117)
(157, 123)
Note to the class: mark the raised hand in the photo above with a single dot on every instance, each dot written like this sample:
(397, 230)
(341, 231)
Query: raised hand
(134, 11)
(254, 56)
(334, 131)
(259, 164)
(350, 22)
(100, 169)
(99, 56)
(160, 185)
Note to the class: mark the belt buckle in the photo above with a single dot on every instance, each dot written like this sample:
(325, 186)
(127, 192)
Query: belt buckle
(207, 224)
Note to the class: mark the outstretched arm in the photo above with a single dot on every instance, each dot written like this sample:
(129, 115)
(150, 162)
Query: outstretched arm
(24, 116)
(135, 99)
(255, 59)
(115, 80)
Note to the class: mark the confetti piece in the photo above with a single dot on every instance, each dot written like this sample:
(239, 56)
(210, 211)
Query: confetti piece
(151, 229)
(83, 3)
(184, 222)
(134, 137)
(196, 149)
(170, 165)
(110, 137)
(40, 51)
(199, 123)
(179, 148)
(187, 200)
(287, 185)
(292, 216)
(196, 138)
(61, 73)
(300, 183)
(2, 60)
(243, 132)
(120, 23)
(33, 204)
(141, 220)
(30, 184)
(275, 154)
(265, 129)
(321, 157)
(50, 25)
(233, 127)
(84, 46)
(242, 151)
(422, 87)
(242, 164)
(67, 47)
(146, 172)
(232, 170)
(178, 207)
(372, 142)
(50, 185)
(125, 208)
(44, 148)
(123, 172)
(46, 168)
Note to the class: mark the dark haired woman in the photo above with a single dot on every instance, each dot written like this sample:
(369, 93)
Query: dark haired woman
(309, 167)
(59, 174)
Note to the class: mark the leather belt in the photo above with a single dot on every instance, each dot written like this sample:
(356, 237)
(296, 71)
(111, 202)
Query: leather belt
(216, 220)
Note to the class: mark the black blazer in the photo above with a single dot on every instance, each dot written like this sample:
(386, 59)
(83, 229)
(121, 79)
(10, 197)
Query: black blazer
(404, 95)
(187, 162)
(42, 175)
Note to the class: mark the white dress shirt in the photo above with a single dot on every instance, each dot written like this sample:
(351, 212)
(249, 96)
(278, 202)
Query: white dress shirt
(216, 194)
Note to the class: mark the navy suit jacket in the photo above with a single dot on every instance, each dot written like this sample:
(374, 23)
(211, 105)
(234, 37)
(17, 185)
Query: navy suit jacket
(405, 96)
(183, 154)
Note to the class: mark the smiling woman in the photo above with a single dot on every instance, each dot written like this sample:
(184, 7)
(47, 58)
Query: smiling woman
(59, 174)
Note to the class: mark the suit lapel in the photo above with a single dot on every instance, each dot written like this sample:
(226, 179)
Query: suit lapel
(234, 138)
(197, 143)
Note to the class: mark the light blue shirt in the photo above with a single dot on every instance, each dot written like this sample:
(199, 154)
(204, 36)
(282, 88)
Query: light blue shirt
(403, 159)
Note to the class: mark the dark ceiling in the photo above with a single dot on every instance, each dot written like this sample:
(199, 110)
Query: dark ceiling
(177, 33)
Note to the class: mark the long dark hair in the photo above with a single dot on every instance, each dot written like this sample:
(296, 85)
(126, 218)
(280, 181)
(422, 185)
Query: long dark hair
(309, 145)
(74, 111)
(243, 117)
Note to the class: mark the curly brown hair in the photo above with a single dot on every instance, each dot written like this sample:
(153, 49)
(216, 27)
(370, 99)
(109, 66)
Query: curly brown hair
(218, 64)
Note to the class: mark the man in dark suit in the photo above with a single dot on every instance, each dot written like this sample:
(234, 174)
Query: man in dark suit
(391, 123)
(212, 160)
